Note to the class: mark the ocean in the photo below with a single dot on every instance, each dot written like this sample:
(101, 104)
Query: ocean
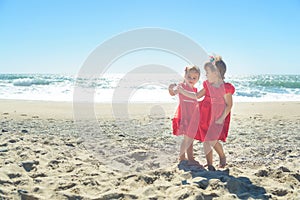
(55, 87)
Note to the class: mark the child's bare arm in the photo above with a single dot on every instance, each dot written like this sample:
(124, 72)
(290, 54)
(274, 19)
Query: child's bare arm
(229, 102)
(192, 95)
(201, 93)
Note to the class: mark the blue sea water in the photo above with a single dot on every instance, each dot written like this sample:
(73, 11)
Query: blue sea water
(266, 87)
(55, 87)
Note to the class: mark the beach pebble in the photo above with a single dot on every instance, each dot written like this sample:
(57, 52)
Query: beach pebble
(4, 131)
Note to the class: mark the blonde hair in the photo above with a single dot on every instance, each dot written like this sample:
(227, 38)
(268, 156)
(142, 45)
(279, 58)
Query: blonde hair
(192, 68)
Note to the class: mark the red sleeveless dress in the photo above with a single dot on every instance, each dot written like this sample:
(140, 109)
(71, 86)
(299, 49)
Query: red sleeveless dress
(211, 109)
(186, 119)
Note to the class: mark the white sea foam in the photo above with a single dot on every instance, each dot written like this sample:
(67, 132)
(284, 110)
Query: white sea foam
(118, 87)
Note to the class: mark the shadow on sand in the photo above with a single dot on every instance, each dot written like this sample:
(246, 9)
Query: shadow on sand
(241, 187)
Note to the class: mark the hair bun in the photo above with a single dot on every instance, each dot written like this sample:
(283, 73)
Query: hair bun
(218, 58)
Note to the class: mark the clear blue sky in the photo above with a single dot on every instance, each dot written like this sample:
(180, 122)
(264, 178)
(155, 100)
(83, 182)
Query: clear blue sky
(56, 36)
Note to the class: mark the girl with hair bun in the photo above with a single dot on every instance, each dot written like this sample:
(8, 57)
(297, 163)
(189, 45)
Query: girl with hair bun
(214, 110)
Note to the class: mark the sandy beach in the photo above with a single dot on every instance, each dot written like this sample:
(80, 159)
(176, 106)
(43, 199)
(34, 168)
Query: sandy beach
(47, 153)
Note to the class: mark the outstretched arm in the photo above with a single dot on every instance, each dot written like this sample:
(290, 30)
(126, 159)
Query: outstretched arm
(229, 102)
(192, 95)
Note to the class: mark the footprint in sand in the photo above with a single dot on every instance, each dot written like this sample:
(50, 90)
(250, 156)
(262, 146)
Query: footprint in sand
(139, 155)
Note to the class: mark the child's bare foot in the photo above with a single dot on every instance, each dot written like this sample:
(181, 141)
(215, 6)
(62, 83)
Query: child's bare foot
(193, 162)
(181, 158)
(222, 162)
(211, 168)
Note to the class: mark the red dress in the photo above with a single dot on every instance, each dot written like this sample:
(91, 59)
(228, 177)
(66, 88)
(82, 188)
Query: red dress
(186, 119)
(211, 109)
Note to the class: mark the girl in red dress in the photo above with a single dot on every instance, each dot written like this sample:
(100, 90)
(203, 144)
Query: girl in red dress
(186, 119)
(215, 110)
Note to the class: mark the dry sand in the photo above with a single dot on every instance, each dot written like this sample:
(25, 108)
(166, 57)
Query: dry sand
(129, 152)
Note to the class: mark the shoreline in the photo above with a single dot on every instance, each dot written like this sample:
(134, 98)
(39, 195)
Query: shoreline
(65, 109)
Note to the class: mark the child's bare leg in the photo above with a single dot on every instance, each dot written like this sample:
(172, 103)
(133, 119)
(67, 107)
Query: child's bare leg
(208, 153)
(182, 150)
(219, 149)
(189, 151)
